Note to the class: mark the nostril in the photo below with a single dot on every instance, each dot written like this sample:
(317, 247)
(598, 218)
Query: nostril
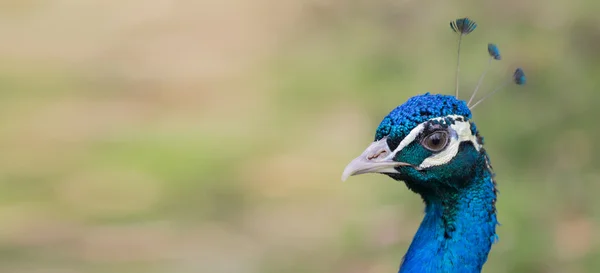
(380, 153)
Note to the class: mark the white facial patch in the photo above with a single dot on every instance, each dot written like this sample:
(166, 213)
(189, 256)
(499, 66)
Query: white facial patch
(462, 132)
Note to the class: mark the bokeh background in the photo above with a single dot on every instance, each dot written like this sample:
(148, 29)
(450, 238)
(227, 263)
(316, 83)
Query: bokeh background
(210, 136)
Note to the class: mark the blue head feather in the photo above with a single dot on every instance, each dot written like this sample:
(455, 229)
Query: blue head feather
(494, 51)
(519, 76)
(463, 26)
(398, 123)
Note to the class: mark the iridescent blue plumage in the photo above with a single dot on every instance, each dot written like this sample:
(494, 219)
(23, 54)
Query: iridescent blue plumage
(494, 51)
(398, 123)
(459, 226)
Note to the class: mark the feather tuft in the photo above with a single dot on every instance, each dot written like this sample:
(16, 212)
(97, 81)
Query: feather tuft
(463, 26)
(494, 51)
(519, 77)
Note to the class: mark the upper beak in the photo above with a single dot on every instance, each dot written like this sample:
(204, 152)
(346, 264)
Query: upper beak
(377, 158)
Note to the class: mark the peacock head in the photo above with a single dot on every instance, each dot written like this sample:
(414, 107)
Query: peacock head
(430, 141)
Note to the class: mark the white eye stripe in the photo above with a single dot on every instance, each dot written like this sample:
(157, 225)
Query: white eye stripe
(462, 132)
(408, 139)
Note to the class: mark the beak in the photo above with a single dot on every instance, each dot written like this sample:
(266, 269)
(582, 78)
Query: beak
(377, 158)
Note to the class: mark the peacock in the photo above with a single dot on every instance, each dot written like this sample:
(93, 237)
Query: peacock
(431, 143)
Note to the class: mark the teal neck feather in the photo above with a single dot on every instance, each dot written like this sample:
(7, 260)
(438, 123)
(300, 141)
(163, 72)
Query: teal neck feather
(459, 226)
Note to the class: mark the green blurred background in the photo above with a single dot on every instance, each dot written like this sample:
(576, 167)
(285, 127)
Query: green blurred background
(210, 136)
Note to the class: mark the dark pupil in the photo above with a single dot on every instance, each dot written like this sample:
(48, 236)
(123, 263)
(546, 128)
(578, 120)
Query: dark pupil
(435, 140)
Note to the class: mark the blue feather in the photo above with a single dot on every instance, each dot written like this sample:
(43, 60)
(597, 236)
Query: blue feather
(463, 26)
(418, 109)
(494, 51)
(519, 76)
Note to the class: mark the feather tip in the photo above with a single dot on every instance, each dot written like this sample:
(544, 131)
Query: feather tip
(463, 26)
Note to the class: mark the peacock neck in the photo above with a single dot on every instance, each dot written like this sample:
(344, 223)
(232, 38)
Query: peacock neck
(458, 229)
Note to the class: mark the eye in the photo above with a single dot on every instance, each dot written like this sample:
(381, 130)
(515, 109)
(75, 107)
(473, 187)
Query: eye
(435, 141)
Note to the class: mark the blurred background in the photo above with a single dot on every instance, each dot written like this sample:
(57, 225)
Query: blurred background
(210, 136)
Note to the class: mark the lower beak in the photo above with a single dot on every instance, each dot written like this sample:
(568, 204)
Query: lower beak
(377, 158)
